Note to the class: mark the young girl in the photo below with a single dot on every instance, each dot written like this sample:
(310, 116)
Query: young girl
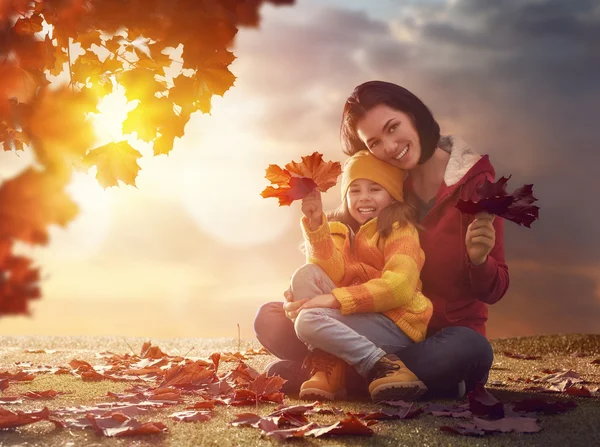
(362, 281)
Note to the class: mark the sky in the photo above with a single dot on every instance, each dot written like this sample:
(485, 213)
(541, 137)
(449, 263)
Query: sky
(194, 250)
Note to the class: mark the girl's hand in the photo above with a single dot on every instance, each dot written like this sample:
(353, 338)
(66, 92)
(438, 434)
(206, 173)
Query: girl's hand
(312, 208)
(480, 238)
(327, 301)
(290, 306)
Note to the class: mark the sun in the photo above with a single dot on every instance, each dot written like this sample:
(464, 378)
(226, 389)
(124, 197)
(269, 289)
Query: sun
(112, 112)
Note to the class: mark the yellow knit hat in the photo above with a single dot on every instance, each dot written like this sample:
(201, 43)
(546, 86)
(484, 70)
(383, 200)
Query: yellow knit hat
(363, 164)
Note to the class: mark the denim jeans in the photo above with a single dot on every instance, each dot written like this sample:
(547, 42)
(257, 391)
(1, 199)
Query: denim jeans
(359, 339)
(441, 361)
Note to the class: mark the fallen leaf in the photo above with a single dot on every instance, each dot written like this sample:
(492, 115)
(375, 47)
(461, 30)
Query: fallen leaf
(190, 376)
(350, 425)
(521, 356)
(191, 416)
(118, 425)
(13, 419)
(151, 352)
(48, 394)
(19, 376)
(246, 420)
(580, 391)
(9, 400)
(483, 403)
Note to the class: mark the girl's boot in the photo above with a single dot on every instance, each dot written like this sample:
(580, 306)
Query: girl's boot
(328, 377)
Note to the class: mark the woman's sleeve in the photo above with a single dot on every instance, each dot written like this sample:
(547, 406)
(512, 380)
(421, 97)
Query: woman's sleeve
(490, 280)
(321, 250)
(399, 280)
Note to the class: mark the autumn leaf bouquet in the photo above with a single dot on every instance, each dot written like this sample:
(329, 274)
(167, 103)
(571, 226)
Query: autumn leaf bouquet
(297, 180)
(492, 197)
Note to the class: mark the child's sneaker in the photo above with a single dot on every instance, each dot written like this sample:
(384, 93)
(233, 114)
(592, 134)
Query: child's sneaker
(392, 380)
(328, 378)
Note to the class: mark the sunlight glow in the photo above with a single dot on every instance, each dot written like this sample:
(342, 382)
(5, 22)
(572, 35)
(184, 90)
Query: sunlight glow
(113, 109)
(83, 237)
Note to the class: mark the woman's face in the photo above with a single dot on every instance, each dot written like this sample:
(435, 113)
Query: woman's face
(390, 135)
(366, 199)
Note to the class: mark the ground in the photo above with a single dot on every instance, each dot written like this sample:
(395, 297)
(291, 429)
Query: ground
(578, 426)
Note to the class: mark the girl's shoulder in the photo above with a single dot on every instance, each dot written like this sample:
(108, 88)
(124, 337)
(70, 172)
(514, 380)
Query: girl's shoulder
(338, 228)
(403, 230)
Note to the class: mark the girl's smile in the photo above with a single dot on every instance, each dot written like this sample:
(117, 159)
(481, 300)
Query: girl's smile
(366, 199)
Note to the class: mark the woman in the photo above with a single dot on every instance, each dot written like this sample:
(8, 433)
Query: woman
(465, 268)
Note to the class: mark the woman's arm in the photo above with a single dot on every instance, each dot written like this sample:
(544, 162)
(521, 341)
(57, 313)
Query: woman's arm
(399, 280)
(484, 239)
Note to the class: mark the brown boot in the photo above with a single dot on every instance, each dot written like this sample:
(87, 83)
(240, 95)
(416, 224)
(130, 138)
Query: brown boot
(392, 380)
(328, 378)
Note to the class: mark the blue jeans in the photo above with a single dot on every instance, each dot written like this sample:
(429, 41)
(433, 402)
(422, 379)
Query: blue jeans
(441, 361)
(359, 339)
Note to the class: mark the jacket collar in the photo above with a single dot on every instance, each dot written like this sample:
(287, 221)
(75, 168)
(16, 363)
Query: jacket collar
(462, 158)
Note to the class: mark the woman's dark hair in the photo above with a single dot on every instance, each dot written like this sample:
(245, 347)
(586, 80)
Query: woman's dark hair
(401, 212)
(373, 93)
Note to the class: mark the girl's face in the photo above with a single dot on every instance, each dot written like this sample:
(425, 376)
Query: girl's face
(366, 199)
(390, 135)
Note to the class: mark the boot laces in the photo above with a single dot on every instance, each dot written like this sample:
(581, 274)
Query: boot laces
(321, 362)
(385, 367)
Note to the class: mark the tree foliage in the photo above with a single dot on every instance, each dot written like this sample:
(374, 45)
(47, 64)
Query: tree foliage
(100, 45)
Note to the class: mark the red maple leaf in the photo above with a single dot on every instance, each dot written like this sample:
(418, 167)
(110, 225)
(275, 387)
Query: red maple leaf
(515, 355)
(297, 180)
(492, 198)
(482, 403)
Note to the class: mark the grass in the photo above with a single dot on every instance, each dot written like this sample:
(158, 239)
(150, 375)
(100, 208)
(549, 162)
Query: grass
(577, 427)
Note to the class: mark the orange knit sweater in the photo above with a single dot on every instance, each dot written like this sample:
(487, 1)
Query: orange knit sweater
(373, 273)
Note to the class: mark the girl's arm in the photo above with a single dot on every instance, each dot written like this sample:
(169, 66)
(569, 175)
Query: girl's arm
(318, 241)
(399, 280)
(489, 278)
(321, 249)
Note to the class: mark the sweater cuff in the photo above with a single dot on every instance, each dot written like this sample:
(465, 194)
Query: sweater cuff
(347, 302)
(320, 234)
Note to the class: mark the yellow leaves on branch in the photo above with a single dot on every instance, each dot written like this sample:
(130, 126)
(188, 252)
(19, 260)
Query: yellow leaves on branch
(115, 161)
(57, 124)
(101, 44)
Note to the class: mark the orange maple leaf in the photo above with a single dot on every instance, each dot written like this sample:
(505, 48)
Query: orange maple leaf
(115, 161)
(297, 180)
(30, 202)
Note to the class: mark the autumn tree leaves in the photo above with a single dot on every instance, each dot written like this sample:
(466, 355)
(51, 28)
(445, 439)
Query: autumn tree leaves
(97, 46)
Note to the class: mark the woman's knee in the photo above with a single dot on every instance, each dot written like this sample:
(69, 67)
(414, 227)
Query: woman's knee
(267, 318)
(476, 345)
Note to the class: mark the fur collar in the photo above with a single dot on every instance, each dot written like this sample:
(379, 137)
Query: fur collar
(462, 158)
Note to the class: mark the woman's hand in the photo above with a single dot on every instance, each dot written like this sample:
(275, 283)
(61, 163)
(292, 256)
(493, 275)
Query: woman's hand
(312, 208)
(480, 238)
(327, 301)
(291, 307)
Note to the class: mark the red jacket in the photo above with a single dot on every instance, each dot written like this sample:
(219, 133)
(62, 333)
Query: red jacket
(458, 290)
